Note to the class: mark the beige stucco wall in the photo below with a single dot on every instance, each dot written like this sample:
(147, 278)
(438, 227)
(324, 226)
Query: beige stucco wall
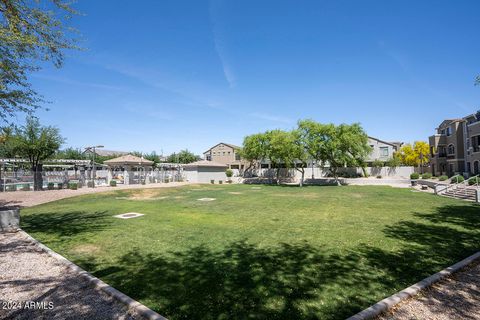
(221, 153)
(376, 154)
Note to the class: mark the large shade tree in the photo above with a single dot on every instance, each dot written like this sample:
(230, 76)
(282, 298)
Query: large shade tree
(184, 156)
(30, 32)
(36, 143)
(253, 150)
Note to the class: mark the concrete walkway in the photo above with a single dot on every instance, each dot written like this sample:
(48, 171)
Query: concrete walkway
(34, 285)
(33, 198)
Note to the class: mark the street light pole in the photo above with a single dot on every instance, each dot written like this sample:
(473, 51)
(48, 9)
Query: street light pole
(94, 168)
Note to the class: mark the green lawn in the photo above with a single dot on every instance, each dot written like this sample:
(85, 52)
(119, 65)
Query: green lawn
(273, 253)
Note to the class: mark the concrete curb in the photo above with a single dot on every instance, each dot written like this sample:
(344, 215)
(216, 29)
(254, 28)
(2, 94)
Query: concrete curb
(387, 303)
(98, 284)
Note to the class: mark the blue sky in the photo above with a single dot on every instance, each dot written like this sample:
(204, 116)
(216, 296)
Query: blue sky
(168, 75)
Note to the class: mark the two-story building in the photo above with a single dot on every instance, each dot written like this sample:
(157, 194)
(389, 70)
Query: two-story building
(225, 153)
(381, 150)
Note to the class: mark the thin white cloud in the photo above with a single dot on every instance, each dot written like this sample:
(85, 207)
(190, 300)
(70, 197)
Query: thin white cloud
(270, 117)
(77, 83)
(219, 43)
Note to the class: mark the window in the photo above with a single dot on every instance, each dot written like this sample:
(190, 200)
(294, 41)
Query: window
(451, 149)
(228, 153)
(223, 152)
(264, 166)
(237, 156)
(475, 143)
(234, 166)
(383, 151)
(442, 132)
(449, 131)
(209, 157)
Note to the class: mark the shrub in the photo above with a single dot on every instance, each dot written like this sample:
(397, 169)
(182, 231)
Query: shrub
(457, 179)
(212, 181)
(51, 186)
(89, 184)
(393, 162)
(379, 177)
(229, 173)
(113, 183)
(220, 182)
(377, 163)
(427, 175)
(73, 186)
(473, 181)
(414, 176)
(26, 187)
(59, 186)
(442, 178)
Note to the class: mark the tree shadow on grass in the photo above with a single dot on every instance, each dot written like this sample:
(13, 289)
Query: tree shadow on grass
(440, 239)
(288, 281)
(242, 281)
(65, 224)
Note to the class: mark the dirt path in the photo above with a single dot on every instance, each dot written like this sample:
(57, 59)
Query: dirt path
(33, 198)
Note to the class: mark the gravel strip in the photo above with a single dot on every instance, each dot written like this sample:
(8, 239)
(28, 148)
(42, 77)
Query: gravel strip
(33, 198)
(28, 274)
(456, 297)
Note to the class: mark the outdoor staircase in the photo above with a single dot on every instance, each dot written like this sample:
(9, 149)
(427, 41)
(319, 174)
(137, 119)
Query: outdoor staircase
(459, 190)
(465, 193)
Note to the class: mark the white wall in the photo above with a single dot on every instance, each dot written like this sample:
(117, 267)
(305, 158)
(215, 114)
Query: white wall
(205, 174)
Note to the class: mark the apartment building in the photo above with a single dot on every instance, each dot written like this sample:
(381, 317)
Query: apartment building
(472, 124)
(455, 148)
(381, 150)
(225, 153)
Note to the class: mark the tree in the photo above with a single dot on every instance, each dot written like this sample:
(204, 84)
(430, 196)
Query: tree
(30, 32)
(184, 156)
(335, 146)
(346, 146)
(416, 155)
(253, 149)
(280, 150)
(152, 156)
(36, 143)
(71, 153)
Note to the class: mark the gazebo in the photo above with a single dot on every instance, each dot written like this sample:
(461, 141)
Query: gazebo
(129, 169)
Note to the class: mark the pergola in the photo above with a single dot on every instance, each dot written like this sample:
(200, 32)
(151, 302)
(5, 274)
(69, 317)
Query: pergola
(124, 168)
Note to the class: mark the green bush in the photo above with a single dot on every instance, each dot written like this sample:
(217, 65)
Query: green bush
(229, 173)
(59, 186)
(113, 183)
(378, 164)
(427, 175)
(457, 179)
(51, 186)
(473, 181)
(379, 177)
(26, 187)
(414, 176)
(220, 182)
(212, 181)
(442, 178)
(73, 186)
